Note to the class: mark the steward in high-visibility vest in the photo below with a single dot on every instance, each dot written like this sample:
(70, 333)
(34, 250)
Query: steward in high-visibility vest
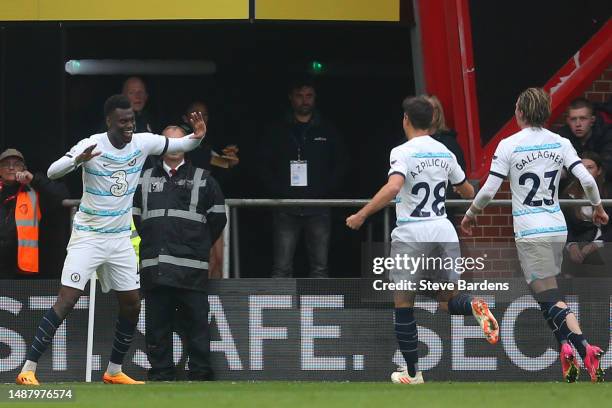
(21, 194)
(27, 218)
(178, 218)
(135, 238)
(179, 211)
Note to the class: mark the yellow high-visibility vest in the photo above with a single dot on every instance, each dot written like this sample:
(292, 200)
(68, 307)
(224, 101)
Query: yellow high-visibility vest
(135, 238)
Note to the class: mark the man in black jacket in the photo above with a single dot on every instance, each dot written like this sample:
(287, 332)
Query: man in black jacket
(136, 91)
(588, 132)
(32, 194)
(179, 213)
(303, 157)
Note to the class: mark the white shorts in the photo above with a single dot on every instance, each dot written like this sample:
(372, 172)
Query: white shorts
(433, 240)
(113, 258)
(541, 257)
(436, 230)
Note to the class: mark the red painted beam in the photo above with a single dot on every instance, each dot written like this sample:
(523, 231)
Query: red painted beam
(449, 74)
(568, 83)
(448, 66)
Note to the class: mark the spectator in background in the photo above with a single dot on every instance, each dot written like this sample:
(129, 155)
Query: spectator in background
(136, 91)
(587, 132)
(206, 157)
(174, 255)
(585, 238)
(302, 157)
(440, 132)
(26, 200)
(448, 137)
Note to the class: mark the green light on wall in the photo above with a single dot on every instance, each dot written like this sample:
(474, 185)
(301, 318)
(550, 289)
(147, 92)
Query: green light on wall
(317, 67)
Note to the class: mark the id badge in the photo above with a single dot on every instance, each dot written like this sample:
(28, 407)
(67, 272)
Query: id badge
(299, 173)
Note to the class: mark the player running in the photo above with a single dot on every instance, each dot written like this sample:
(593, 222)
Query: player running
(100, 237)
(533, 159)
(420, 171)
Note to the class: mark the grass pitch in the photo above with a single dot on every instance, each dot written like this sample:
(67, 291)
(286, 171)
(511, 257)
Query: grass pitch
(325, 394)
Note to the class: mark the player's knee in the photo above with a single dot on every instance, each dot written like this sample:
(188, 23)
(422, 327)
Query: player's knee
(63, 306)
(130, 309)
(66, 300)
(552, 297)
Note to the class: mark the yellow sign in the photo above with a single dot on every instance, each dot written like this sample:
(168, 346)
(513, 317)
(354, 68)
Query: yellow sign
(66, 10)
(329, 10)
(16, 10)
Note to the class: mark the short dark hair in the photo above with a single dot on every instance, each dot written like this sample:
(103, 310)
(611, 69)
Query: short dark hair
(116, 102)
(419, 112)
(580, 103)
(301, 82)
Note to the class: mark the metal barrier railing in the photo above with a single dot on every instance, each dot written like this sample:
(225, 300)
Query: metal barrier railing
(231, 232)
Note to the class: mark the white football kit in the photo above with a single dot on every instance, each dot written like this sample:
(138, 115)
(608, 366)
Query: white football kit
(533, 160)
(101, 228)
(422, 226)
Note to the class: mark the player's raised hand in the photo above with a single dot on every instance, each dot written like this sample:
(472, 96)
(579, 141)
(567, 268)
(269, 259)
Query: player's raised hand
(87, 154)
(467, 223)
(355, 221)
(198, 125)
(600, 217)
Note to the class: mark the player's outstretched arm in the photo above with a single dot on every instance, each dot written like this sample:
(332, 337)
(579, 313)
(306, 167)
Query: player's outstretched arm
(484, 196)
(67, 163)
(380, 200)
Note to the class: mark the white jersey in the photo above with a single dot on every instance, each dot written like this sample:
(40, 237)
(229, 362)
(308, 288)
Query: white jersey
(427, 166)
(109, 183)
(533, 159)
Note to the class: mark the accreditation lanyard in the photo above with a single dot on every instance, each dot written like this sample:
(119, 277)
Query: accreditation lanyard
(298, 169)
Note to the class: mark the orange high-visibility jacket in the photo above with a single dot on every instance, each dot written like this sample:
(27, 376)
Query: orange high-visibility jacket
(27, 218)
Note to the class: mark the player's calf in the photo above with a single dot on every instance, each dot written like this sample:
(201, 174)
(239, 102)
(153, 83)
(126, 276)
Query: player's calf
(561, 320)
(407, 337)
(42, 339)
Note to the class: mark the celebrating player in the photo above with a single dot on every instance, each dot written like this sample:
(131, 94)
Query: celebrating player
(100, 238)
(420, 171)
(533, 159)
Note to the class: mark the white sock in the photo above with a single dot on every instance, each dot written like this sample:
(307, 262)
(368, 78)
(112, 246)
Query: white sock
(113, 368)
(29, 366)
